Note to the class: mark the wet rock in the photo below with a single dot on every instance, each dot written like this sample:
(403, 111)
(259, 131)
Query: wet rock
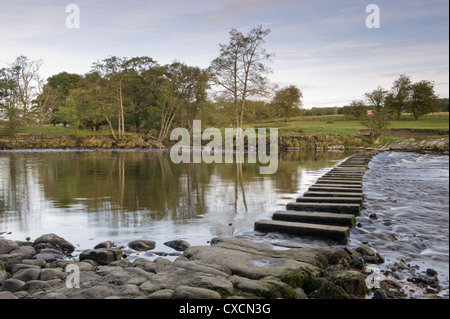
(178, 245)
(102, 255)
(322, 288)
(365, 251)
(184, 292)
(12, 285)
(27, 274)
(357, 263)
(6, 246)
(142, 245)
(55, 242)
(379, 294)
(49, 255)
(353, 282)
(431, 272)
(106, 244)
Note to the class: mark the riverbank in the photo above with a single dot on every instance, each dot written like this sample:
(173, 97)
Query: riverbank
(312, 142)
(229, 268)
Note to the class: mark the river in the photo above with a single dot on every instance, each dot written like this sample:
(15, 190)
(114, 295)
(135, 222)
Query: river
(89, 197)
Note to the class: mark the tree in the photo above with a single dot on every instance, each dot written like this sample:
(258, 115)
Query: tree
(399, 97)
(287, 101)
(377, 123)
(423, 100)
(239, 70)
(377, 98)
(25, 74)
(357, 109)
(9, 100)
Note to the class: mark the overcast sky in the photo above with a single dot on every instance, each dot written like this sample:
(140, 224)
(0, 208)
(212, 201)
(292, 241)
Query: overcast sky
(322, 46)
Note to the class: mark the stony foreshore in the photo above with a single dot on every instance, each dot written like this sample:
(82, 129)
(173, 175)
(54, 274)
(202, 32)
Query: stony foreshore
(229, 268)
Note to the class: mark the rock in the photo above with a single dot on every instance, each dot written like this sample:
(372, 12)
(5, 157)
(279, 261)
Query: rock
(102, 255)
(27, 274)
(53, 273)
(162, 260)
(321, 288)
(431, 272)
(35, 262)
(178, 245)
(142, 245)
(301, 293)
(185, 292)
(49, 255)
(12, 285)
(365, 251)
(8, 261)
(35, 286)
(128, 290)
(162, 294)
(97, 292)
(379, 294)
(106, 244)
(6, 246)
(26, 252)
(357, 263)
(56, 242)
(7, 295)
(3, 276)
(84, 266)
(353, 282)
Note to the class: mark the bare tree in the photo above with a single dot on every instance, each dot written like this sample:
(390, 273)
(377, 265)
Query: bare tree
(25, 73)
(239, 72)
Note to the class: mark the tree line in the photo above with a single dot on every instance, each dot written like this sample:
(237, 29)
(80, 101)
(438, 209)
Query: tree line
(139, 95)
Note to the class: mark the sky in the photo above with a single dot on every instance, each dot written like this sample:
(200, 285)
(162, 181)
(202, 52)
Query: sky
(323, 47)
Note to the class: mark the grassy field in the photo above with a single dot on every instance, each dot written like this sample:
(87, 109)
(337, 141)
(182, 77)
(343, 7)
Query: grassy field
(330, 125)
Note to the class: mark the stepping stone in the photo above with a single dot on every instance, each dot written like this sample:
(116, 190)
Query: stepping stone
(302, 229)
(337, 181)
(333, 189)
(353, 209)
(335, 200)
(350, 186)
(316, 218)
(333, 194)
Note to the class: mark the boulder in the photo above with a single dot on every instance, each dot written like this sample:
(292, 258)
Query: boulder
(178, 245)
(56, 242)
(106, 244)
(6, 246)
(142, 245)
(103, 256)
(7, 295)
(27, 274)
(185, 292)
(49, 255)
(96, 292)
(12, 285)
(351, 281)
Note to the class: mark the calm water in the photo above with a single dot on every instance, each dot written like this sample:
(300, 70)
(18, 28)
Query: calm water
(89, 197)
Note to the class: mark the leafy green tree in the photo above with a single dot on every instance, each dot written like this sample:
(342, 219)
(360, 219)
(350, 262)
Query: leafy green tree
(377, 123)
(377, 98)
(398, 99)
(357, 109)
(423, 100)
(288, 101)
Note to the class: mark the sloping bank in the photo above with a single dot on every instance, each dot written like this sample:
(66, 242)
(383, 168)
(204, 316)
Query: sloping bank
(230, 267)
(321, 142)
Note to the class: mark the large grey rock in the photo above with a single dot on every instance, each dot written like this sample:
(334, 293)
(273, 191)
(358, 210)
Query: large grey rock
(35, 286)
(49, 255)
(25, 252)
(6, 246)
(56, 242)
(185, 292)
(12, 285)
(27, 274)
(53, 273)
(162, 294)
